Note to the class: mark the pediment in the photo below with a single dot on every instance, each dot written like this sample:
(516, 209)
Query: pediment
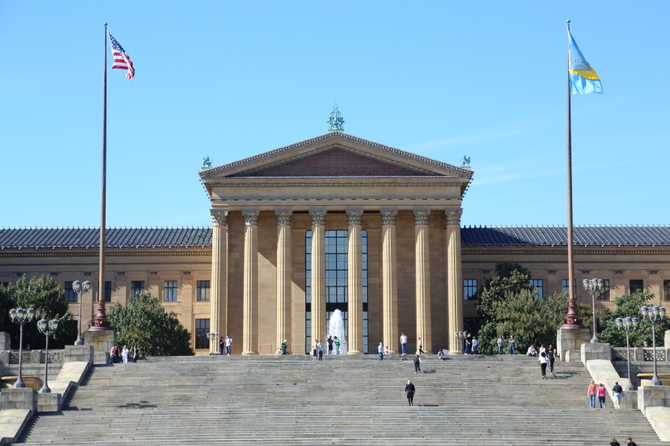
(335, 154)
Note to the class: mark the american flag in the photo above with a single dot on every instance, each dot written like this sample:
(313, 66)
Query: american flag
(121, 59)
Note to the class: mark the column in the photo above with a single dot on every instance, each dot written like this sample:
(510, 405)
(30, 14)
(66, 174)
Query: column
(284, 270)
(454, 279)
(422, 274)
(250, 289)
(218, 298)
(318, 273)
(389, 281)
(355, 283)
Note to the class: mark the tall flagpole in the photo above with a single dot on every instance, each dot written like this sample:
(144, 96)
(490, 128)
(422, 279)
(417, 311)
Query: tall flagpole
(572, 318)
(100, 322)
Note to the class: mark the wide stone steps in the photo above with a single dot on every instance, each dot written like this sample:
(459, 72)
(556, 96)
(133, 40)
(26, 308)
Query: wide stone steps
(342, 400)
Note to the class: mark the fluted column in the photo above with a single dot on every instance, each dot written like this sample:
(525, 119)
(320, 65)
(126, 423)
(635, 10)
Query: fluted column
(318, 274)
(355, 283)
(389, 281)
(454, 278)
(250, 290)
(422, 274)
(283, 275)
(218, 298)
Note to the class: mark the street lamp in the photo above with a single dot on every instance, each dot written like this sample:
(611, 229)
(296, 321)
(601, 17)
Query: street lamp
(653, 314)
(460, 335)
(212, 337)
(80, 288)
(47, 328)
(627, 324)
(21, 316)
(593, 286)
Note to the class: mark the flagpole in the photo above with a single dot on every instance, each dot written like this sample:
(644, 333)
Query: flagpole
(572, 318)
(101, 323)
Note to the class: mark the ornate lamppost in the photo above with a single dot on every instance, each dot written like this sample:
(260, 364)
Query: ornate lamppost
(593, 286)
(460, 335)
(21, 316)
(212, 337)
(627, 324)
(47, 328)
(80, 288)
(653, 314)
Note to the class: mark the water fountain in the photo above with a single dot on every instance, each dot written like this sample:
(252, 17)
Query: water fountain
(336, 328)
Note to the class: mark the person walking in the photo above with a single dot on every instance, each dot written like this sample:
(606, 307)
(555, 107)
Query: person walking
(319, 347)
(630, 442)
(403, 343)
(417, 364)
(475, 344)
(337, 345)
(511, 346)
(229, 341)
(124, 354)
(468, 344)
(501, 344)
(551, 355)
(380, 351)
(112, 354)
(618, 393)
(222, 345)
(542, 360)
(601, 395)
(136, 354)
(410, 390)
(419, 344)
(314, 351)
(330, 345)
(614, 442)
(592, 395)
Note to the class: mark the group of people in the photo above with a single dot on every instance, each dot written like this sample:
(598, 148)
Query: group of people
(471, 345)
(317, 347)
(226, 343)
(118, 355)
(600, 392)
(511, 345)
(546, 356)
(629, 442)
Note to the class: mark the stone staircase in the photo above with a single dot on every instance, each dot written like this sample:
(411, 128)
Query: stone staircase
(343, 400)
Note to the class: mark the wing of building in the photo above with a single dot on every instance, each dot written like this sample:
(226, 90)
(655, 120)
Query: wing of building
(333, 223)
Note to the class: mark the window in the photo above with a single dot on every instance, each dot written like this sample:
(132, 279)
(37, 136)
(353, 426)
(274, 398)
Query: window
(539, 286)
(70, 295)
(470, 289)
(565, 282)
(170, 291)
(108, 291)
(636, 285)
(605, 291)
(666, 290)
(202, 290)
(201, 331)
(136, 287)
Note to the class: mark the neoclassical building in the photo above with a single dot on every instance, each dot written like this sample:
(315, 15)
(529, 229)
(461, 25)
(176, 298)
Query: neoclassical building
(335, 222)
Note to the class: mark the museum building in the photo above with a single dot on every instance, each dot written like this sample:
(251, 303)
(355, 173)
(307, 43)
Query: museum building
(332, 223)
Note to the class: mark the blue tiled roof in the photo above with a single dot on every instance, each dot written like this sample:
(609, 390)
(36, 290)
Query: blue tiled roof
(88, 238)
(558, 235)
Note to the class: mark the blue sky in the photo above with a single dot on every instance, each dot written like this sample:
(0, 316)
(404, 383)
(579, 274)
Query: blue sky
(229, 80)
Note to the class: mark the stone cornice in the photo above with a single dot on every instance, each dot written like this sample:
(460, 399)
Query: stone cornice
(380, 182)
(544, 250)
(331, 198)
(64, 252)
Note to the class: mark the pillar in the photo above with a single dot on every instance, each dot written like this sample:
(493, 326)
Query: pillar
(218, 298)
(454, 279)
(422, 275)
(355, 283)
(318, 274)
(389, 280)
(284, 271)
(250, 289)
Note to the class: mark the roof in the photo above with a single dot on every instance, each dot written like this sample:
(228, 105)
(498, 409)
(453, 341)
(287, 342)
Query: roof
(87, 238)
(558, 236)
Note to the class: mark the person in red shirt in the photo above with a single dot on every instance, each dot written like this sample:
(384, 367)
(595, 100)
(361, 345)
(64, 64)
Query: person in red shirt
(592, 395)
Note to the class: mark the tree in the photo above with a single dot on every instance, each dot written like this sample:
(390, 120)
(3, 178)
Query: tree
(145, 324)
(629, 306)
(47, 297)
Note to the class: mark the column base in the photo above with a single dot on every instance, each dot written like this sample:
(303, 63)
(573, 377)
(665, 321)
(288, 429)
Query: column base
(249, 353)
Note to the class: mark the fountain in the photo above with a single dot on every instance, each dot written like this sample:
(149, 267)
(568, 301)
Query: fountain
(336, 328)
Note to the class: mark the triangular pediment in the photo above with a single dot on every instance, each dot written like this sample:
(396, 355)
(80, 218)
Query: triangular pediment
(335, 154)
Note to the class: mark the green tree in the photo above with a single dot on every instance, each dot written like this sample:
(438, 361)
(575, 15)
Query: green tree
(47, 297)
(144, 323)
(629, 306)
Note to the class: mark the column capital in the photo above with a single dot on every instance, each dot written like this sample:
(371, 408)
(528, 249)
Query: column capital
(251, 217)
(354, 216)
(421, 216)
(318, 217)
(283, 217)
(453, 216)
(219, 218)
(388, 216)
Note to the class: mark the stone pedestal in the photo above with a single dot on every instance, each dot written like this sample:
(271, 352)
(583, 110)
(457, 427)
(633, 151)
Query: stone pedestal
(595, 351)
(49, 402)
(568, 340)
(102, 342)
(79, 353)
(21, 398)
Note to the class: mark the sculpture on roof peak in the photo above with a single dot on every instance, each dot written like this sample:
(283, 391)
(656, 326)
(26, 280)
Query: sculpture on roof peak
(465, 161)
(206, 163)
(336, 121)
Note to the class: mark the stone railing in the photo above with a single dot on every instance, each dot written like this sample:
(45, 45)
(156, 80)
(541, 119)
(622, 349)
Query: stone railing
(31, 357)
(641, 354)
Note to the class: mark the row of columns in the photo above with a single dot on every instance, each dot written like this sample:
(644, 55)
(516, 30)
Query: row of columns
(355, 277)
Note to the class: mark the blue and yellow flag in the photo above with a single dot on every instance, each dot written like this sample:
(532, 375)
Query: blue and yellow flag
(583, 78)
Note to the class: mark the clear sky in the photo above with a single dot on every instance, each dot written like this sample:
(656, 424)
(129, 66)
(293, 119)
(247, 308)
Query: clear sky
(229, 80)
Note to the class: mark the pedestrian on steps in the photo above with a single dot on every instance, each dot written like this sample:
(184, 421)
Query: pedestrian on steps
(409, 391)
(614, 442)
(500, 343)
(417, 364)
(221, 345)
(124, 353)
(380, 351)
(551, 355)
(618, 393)
(601, 395)
(319, 347)
(542, 360)
(419, 343)
(337, 346)
(630, 442)
(136, 353)
(403, 343)
(511, 343)
(330, 345)
(592, 395)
